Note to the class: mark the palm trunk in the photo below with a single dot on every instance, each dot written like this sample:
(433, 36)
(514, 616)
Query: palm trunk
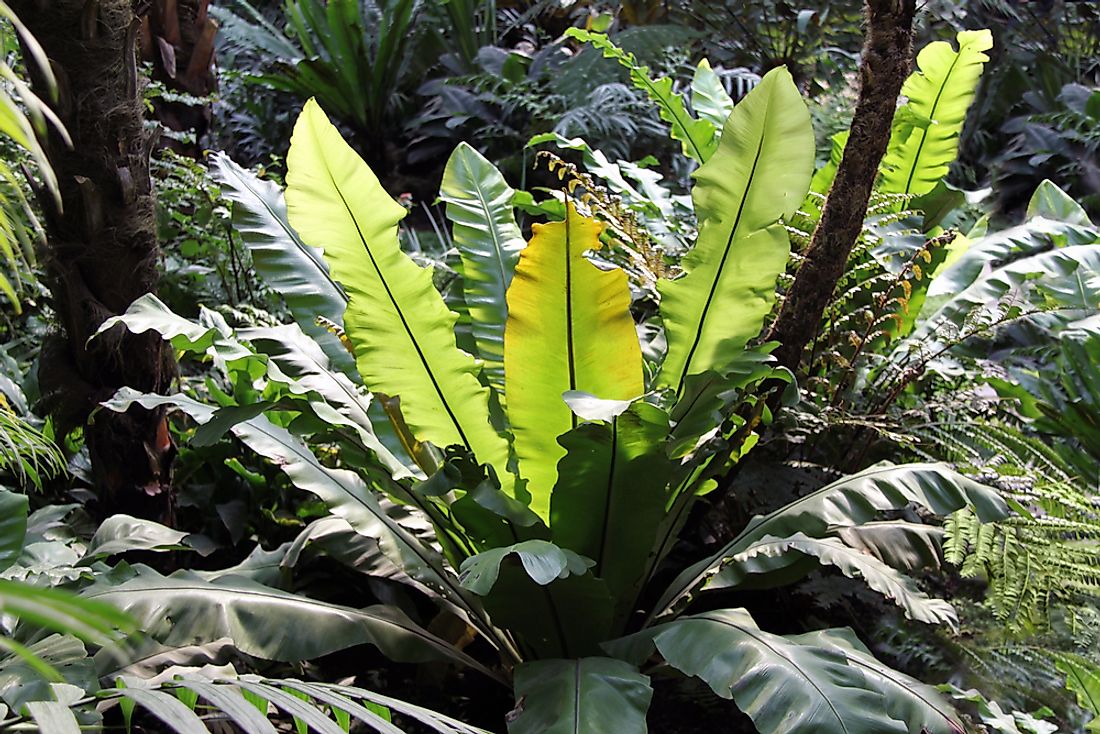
(177, 37)
(103, 251)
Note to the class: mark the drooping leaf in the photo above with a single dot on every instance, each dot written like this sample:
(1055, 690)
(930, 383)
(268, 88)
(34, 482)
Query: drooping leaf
(920, 706)
(611, 494)
(925, 136)
(759, 174)
(785, 686)
(899, 544)
(211, 336)
(580, 697)
(1054, 288)
(541, 560)
(122, 533)
(569, 328)
(166, 707)
(851, 562)
(1041, 231)
(849, 502)
(696, 136)
(291, 268)
(345, 493)
(402, 331)
(479, 205)
(262, 621)
(295, 360)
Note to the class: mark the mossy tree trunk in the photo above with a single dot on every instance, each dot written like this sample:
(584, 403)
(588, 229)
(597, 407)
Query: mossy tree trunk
(885, 64)
(103, 251)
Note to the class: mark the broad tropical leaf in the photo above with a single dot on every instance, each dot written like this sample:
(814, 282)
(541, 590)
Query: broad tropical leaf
(920, 706)
(402, 331)
(903, 545)
(295, 360)
(262, 621)
(785, 686)
(709, 98)
(759, 174)
(611, 494)
(479, 205)
(1046, 227)
(1052, 288)
(580, 697)
(777, 553)
(291, 268)
(850, 502)
(925, 136)
(696, 136)
(13, 525)
(569, 328)
(345, 493)
(541, 560)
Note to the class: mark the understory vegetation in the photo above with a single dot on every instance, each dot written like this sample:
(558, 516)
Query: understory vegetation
(549, 367)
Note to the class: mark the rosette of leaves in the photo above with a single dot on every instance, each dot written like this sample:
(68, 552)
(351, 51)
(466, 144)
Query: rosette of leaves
(556, 464)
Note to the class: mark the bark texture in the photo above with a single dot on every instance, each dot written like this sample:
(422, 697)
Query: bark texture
(886, 62)
(103, 251)
(177, 38)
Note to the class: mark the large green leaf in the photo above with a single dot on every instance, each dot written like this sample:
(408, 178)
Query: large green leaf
(569, 328)
(709, 98)
(479, 205)
(696, 136)
(920, 706)
(345, 493)
(1046, 227)
(402, 331)
(777, 553)
(925, 136)
(852, 501)
(13, 526)
(585, 696)
(295, 360)
(541, 560)
(291, 268)
(759, 174)
(1052, 288)
(785, 686)
(262, 621)
(63, 612)
(611, 494)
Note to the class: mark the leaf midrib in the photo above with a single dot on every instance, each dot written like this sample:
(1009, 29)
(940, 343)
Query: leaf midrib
(779, 653)
(931, 117)
(400, 314)
(725, 255)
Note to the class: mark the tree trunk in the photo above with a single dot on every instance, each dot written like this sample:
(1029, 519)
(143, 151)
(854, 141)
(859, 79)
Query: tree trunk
(103, 251)
(177, 38)
(887, 58)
